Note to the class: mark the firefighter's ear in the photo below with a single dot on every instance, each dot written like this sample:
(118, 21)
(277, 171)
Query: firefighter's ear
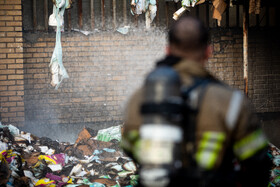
(208, 52)
(167, 50)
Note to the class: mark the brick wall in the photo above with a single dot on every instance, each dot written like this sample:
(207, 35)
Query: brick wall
(11, 63)
(226, 62)
(104, 69)
(264, 71)
(264, 67)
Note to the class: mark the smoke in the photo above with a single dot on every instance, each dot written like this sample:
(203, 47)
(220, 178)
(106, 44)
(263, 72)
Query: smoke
(105, 68)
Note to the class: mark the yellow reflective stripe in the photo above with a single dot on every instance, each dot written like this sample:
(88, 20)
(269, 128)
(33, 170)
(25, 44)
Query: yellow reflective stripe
(130, 142)
(249, 145)
(129, 139)
(209, 148)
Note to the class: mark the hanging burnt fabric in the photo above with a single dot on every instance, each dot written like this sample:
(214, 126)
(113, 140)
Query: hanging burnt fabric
(148, 7)
(150, 13)
(219, 8)
(255, 7)
(185, 4)
(189, 3)
(56, 19)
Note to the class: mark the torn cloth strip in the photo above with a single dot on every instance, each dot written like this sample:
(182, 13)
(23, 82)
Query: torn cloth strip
(254, 6)
(219, 8)
(148, 7)
(56, 66)
(189, 3)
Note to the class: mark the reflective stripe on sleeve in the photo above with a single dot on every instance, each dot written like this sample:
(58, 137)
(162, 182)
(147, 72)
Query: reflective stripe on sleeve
(130, 142)
(234, 109)
(209, 148)
(248, 146)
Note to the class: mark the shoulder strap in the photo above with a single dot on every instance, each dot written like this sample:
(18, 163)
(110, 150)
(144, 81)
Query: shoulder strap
(190, 114)
(198, 82)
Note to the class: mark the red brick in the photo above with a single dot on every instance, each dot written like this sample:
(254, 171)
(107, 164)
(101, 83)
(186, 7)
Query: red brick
(19, 71)
(6, 7)
(14, 109)
(98, 99)
(17, 18)
(119, 78)
(3, 77)
(20, 93)
(2, 45)
(6, 18)
(3, 56)
(12, 34)
(13, 13)
(19, 40)
(16, 98)
(40, 76)
(40, 45)
(8, 93)
(7, 39)
(19, 50)
(2, 99)
(17, 119)
(18, 28)
(13, 2)
(16, 55)
(5, 72)
(8, 61)
(17, 7)
(19, 82)
(20, 103)
(3, 66)
(35, 55)
(15, 66)
(8, 114)
(3, 88)
(7, 50)
(7, 29)
(15, 77)
(7, 82)
(7, 104)
(15, 87)
(19, 60)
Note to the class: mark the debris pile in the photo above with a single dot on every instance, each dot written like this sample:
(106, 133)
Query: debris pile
(274, 154)
(94, 160)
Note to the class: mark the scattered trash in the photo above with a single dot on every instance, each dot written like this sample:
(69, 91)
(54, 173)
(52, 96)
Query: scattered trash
(123, 30)
(274, 154)
(179, 12)
(109, 134)
(26, 160)
(83, 32)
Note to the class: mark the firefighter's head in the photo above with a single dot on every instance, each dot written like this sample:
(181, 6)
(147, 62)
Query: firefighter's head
(188, 38)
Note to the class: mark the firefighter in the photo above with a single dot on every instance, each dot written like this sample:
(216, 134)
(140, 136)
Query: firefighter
(229, 146)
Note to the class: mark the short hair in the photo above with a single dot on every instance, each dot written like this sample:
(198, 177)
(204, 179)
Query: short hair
(188, 34)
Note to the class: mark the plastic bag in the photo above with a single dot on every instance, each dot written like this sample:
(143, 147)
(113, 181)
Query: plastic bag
(109, 134)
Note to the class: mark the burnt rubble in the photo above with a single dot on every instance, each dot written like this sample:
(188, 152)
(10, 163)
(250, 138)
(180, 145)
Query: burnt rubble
(94, 160)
